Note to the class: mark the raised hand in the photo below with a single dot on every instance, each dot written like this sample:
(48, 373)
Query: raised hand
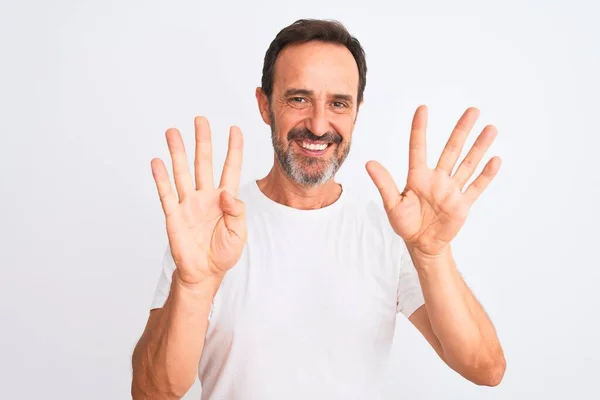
(432, 208)
(206, 226)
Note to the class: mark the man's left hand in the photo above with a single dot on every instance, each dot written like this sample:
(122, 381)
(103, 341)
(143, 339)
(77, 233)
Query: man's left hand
(432, 208)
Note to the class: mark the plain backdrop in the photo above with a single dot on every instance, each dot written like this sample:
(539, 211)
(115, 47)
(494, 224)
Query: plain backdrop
(88, 88)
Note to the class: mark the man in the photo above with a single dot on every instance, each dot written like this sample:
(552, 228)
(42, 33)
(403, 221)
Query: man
(289, 287)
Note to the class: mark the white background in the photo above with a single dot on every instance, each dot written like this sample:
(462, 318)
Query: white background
(87, 90)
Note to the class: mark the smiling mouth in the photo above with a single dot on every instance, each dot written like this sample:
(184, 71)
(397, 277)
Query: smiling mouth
(313, 148)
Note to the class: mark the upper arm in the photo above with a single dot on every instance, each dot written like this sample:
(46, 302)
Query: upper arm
(409, 293)
(153, 318)
(151, 323)
(163, 286)
(420, 320)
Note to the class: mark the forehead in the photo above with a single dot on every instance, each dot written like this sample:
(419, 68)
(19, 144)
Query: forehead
(321, 67)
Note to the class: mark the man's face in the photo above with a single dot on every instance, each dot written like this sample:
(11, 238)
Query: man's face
(313, 110)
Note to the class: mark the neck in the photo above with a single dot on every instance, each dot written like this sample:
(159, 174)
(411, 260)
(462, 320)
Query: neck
(280, 188)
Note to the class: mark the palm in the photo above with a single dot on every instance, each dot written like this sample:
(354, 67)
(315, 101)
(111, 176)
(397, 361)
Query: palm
(205, 225)
(431, 211)
(198, 235)
(432, 208)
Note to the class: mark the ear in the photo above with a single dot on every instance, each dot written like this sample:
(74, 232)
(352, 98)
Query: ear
(263, 105)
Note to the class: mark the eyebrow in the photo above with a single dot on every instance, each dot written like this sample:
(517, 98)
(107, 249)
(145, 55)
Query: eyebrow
(306, 92)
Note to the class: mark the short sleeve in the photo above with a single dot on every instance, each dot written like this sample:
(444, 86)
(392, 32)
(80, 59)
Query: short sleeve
(410, 296)
(164, 281)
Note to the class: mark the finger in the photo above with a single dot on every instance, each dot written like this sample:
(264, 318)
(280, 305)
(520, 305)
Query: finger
(203, 164)
(417, 154)
(477, 187)
(234, 214)
(467, 167)
(181, 171)
(168, 199)
(457, 139)
(232, 170)
(385, 184)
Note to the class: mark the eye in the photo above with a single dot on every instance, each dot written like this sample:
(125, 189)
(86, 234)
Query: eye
(339, 104)
(298, 99)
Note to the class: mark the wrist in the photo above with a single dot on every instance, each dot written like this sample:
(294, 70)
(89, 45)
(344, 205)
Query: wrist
(206, 286)
(424, 261)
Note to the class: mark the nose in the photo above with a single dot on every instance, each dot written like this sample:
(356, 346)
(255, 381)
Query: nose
(317, 122)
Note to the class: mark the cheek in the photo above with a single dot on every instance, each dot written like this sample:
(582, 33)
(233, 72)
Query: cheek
(286, 121)
(345, 128)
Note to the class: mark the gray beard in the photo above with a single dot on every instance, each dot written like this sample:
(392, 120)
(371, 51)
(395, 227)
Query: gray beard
(292, 164)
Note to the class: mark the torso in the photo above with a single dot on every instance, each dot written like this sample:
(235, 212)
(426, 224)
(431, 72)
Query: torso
(309, 311)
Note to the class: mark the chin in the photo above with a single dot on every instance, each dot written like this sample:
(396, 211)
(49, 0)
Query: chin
(309, 178)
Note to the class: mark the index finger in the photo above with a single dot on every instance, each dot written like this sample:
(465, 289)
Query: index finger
(417, 154)
(232, 170)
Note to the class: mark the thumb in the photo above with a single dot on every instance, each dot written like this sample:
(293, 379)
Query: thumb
(385, 184)
(234, 214)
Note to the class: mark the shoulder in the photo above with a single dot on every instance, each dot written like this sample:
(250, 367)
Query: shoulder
(364, 207)
(369, 214)
(246, 191)
(372, 224)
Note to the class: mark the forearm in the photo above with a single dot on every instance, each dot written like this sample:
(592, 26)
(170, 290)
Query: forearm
(466, 334)
(165, 361)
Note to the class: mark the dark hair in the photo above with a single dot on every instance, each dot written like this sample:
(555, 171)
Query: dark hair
(306, 30)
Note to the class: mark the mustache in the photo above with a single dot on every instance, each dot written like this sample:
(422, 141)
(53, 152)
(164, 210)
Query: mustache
(329, 137)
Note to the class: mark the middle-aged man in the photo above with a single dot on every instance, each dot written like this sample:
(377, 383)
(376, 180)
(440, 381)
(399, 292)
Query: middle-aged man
(288, 287)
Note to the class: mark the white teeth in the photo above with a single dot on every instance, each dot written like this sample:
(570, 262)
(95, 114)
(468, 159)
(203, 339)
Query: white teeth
(314, 147)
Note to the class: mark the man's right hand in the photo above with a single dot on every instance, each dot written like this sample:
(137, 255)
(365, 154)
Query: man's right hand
(206, 226)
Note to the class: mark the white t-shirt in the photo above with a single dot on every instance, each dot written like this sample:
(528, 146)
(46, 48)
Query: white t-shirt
(309, 311)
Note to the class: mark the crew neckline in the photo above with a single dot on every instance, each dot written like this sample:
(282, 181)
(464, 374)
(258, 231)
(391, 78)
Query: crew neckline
(284, 210)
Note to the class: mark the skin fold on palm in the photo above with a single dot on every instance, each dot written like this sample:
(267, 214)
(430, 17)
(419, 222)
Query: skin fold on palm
(206, 225)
